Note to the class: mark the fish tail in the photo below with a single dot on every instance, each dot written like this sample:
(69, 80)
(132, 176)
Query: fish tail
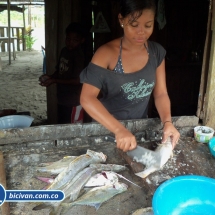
(44, 179)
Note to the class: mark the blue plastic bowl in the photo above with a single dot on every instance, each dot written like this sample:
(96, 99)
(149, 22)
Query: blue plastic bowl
(15, 121)
(185, 195)
(211, 146)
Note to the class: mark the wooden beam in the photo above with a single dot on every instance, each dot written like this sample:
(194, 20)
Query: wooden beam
(12, 7)
(209, 118)
(205, 65)
(8, 31)
(51, 44)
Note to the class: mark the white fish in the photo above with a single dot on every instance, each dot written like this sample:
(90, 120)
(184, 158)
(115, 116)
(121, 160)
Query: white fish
(96, 196)
(155, 160)
(72, 189)
(102, 179)
(108, 167)
(76, 166)
(144, 211)
(57, 166)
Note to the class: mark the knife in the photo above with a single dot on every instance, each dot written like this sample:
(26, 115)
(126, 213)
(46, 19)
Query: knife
(136, 154)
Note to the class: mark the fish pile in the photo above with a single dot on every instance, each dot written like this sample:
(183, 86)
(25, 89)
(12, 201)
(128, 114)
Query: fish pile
(84, 179)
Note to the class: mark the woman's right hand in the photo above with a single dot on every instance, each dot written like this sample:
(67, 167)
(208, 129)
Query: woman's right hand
(125, 140)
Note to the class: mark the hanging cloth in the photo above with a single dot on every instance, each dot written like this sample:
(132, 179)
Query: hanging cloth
(161, 19)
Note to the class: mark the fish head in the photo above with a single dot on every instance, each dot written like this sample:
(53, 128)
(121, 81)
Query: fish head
(102, 157)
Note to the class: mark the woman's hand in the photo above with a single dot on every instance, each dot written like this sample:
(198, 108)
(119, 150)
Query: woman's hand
(170, 131)
(125, 140)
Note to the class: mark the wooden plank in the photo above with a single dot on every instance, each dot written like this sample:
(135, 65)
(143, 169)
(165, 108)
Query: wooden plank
(205, 64)
(8, 30)
(51, 41)
(64, 19)
(55, 27)
(5, 209)
(212, 3)
(209, 118)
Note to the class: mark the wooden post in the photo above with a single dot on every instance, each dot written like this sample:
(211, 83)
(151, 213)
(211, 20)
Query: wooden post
(209, 118)
(8, 31)
(18, 39)
(205, 64)
(5, 209)
(51, 37)
(23, 29)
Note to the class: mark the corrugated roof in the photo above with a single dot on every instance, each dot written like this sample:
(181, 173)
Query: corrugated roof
(22, 1)
(26, 2)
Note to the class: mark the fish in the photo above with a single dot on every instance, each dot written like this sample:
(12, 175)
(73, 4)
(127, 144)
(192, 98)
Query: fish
(96, 196)
(155, 160)
(75, 167)
(144, 211)
(105, 178)
(135, 166)
(120, 176)
(99, 167)
(55, 167)
(102, 179)
(44, 179)
(71, 189)
(108, 167)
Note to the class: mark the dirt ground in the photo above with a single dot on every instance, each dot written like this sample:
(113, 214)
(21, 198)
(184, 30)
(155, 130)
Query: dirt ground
(19, 85)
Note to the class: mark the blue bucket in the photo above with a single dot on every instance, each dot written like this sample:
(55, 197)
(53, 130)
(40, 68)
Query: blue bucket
(211, 146)
(185, 195)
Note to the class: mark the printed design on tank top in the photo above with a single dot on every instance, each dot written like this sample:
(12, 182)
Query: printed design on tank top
(137, 91)
(63, 66)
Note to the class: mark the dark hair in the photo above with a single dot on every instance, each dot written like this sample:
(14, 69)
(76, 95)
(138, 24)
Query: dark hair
(76, 27)
(135, 8)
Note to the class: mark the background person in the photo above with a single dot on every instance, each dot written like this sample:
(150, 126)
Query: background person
(70, 64)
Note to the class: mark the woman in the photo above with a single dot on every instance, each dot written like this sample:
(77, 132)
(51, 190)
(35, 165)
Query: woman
(127, 70)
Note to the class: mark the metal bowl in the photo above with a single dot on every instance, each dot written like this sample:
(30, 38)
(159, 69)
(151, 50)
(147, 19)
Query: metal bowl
(15, 121)
(183, 195)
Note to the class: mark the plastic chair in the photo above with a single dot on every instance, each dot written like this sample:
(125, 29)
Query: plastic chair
(44, 60)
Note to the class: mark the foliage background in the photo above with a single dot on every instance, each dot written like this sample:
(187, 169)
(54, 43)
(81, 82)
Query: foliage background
(34, 19)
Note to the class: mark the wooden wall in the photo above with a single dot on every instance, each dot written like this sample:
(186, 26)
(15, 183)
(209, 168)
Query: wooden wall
(183, 34)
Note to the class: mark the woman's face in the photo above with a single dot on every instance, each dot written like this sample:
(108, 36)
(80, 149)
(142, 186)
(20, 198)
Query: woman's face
(139, 31)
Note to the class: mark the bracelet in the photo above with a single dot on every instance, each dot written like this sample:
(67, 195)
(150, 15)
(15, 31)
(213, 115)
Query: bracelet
(166, 122)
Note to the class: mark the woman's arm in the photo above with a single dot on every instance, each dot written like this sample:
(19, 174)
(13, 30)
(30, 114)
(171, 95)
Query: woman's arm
(124, 138)
(162, 103)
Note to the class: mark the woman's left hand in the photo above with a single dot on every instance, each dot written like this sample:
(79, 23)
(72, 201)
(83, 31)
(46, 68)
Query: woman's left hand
(169, 130)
